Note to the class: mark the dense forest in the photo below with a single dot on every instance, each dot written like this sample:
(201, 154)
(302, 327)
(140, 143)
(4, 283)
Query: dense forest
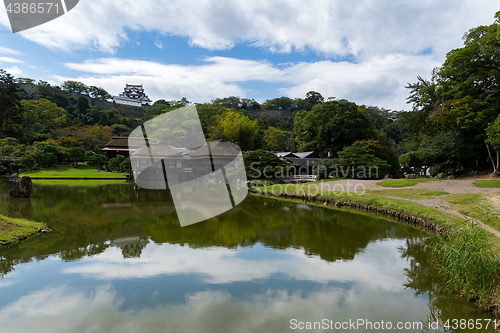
(453, 125)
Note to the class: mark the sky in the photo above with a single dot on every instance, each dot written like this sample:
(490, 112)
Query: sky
(365, 51)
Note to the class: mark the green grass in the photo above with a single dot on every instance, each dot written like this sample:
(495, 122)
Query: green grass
(12, 229)
(474, 205)
(487, 183)
(78, 183)
(414, 194)
(406, 182)
(469, 264)
(67, 171)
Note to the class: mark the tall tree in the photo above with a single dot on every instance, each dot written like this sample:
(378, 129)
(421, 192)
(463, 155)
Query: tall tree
(334, 124)
(10, 102)
(75, 86)
(314, 97)
(465, 90)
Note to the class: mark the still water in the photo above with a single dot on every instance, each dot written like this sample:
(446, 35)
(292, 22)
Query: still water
(119, 261)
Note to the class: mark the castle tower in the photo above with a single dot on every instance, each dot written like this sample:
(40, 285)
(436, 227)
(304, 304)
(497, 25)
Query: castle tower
(133, 95)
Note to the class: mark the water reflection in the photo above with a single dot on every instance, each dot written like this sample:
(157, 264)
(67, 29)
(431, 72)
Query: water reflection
(120, 261)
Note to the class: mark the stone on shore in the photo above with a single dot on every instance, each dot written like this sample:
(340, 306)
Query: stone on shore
(20, 187)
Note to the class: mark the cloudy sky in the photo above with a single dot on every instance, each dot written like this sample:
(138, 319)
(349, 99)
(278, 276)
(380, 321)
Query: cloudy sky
(364, 51)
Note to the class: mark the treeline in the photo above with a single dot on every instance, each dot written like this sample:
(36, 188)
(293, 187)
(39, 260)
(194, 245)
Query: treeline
(453, 125)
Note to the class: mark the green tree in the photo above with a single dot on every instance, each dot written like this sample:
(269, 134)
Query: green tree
(82, 104)
(77, 154)
(99, 93)
(334, 124)
(261, 163)
(41, 116)
(48, 159)
(10, 103)
(280, 103)
(276, 139)
(121, 130)
(116, 163)
(357, 161)
(465, 90)
(97, 160)
(26, 161)
(103, 121)
(234, 127)
(75, 86)
(314, 97)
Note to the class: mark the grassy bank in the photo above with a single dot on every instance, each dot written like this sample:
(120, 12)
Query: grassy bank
(13, 230)
(67, 171)
(466, 255)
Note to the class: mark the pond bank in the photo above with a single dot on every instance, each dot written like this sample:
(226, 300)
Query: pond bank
(477, 284)
(15, 230)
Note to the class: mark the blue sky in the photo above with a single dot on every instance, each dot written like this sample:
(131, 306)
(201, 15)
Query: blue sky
(364, 51)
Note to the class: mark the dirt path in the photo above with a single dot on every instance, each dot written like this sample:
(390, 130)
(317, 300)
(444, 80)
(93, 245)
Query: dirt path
(451, 186)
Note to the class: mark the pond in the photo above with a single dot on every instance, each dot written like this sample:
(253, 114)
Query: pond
(118, 261)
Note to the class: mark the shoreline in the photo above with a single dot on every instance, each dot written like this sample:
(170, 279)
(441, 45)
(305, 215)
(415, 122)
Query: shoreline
(13, 230)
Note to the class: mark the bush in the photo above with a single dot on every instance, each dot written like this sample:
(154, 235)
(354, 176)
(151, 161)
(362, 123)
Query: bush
(96, 160)
(77, 154)
(115, 163)
(48, 159)
(26, 161)
(259, 161)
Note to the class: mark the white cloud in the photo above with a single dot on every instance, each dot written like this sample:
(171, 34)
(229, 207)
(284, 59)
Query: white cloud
(16, 71)
(5, 50)
(373, 81)
(221, 265)
(8, 59)
(101, 309)
(332, 27)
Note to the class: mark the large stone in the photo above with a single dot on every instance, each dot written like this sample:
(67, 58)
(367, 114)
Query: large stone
(20, 187)
(411, 176)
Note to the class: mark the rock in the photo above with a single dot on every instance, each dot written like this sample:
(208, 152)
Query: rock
(411, 176)
(440, 175)
(20, 187)
(387, 176)
(472, 173)
(451, 177)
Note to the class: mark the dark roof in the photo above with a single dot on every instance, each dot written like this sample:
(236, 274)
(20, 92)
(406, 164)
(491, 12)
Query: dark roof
(303, 161)
(123, 141)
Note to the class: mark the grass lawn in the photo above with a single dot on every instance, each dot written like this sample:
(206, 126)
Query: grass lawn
(487, 183)
(67, 171)
(415, 194)
(78, 183)
(11, 229)
(406, 182)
